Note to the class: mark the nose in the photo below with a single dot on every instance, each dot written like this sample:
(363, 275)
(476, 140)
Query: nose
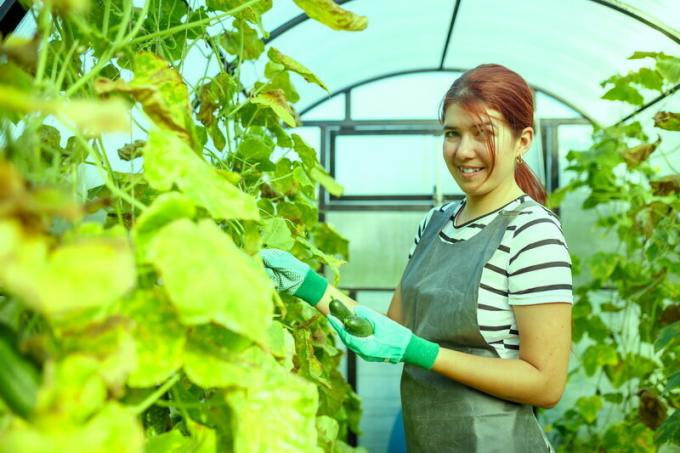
(465, 148)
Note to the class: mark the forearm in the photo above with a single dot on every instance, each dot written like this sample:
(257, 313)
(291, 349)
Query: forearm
(334, 293)
(509, 379)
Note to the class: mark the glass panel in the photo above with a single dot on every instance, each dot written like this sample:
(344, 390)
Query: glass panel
(549, 107)
(332, 109)
(378, 386)
(553, 55)
(379, 243)
(571, 137)
(386, 164)
(412, 96)
(281, 12)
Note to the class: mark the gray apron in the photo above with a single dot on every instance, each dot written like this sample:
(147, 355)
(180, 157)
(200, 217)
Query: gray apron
(439, 296)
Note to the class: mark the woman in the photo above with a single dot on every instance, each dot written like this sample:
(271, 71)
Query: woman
(482, 314)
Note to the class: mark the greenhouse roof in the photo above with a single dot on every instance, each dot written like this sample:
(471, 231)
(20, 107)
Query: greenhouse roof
(564, 49)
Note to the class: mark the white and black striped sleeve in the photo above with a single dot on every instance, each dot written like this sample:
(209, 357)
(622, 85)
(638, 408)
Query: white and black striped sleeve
(539, 265)
(421, 228)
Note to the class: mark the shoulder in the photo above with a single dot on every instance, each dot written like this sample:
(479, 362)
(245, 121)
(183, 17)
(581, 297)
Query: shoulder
(534, 222)
(443, 208)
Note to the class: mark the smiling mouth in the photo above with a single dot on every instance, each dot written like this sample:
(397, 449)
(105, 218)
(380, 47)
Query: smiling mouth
(470, 170)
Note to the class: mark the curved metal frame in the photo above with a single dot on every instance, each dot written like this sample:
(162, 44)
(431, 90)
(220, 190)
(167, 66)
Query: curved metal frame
(349, 88)
(615, 5)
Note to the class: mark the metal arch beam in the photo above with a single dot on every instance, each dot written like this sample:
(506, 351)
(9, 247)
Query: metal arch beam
(294, 22)
(454, 16)
(424, 70)
(616, 5)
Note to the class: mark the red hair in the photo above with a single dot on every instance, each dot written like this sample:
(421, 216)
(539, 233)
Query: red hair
(501, 89)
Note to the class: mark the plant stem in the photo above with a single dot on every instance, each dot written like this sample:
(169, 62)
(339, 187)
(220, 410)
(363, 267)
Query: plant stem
(151, 399)
(190, 25)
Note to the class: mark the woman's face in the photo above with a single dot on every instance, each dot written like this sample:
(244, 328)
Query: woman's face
(468, 157)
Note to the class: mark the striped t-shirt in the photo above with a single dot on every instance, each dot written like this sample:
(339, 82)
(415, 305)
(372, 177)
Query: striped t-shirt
(530, 266)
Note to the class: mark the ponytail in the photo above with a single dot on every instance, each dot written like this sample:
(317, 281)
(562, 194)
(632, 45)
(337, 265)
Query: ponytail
(529, 183)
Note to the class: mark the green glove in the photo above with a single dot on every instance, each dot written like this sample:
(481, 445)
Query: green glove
(390, 342)
(292, 276)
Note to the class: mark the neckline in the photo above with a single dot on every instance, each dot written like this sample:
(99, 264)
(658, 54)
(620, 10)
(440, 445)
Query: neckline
(460, 208)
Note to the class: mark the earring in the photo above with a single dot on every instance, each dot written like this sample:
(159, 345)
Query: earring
(519, 160)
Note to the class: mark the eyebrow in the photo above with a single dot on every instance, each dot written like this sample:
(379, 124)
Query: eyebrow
(488, 123)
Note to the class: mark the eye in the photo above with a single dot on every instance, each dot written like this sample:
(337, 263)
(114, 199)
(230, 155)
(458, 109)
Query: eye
(450, 133)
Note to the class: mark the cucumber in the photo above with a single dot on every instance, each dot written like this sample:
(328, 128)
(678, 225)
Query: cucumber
(19, 377)
(356, 325)
(340, 310)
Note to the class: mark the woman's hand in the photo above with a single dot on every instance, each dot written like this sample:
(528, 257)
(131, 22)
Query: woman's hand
(292, 276)
(390, 342)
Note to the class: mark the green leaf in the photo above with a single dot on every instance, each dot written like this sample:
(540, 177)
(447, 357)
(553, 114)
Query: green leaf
(622, 91)
(172, 441)
(166, 208)
(293, 65)
(330, 14)
(243, 42)
(160, 90)
(669, 431)
(218, 357)
(327, 181)
(275, 234)
(589, 407)
(673, 382)
(603, 264)
(276, 100)
(650, 79)
(264, 415)
(159, 338)
(330, 241)
(213, 280)
(669, 67)
(255, 148)
(668, 335)
(169, 161)
(597, 356)
(91, 272)
(251, 13)
(306, 152)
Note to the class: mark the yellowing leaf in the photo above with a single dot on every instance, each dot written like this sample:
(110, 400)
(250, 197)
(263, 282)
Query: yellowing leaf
(330, 14)
(169, 161)
(278, 415)
(327, 181)
(114, 429)
(293, 65)
(209, 279)
(92, 272)
(159, 338)
(160, 90)
(164, 209)
(667, 120)
(89, 116)
(276, 100)
(634, 156)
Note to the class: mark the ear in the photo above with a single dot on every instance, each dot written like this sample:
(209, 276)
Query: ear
(524, 141)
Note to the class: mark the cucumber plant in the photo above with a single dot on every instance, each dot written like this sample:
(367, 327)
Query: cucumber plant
(143, 317)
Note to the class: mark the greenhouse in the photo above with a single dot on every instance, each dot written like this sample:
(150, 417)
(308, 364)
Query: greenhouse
(337, 226)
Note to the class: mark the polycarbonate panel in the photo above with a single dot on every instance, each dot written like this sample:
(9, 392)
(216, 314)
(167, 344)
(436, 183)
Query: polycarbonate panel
(332, 109)
(660, 11)
(379, 243)
(282, 11)
(400, 35)
(571, 137)
(410, 96)
(549, 107)
(387, 164)
(563, 48)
